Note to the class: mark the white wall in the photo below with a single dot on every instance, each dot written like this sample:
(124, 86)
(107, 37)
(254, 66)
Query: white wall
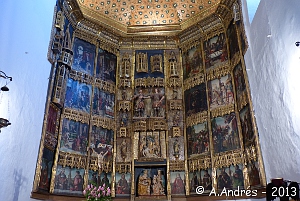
(25, 27)
(274, 75)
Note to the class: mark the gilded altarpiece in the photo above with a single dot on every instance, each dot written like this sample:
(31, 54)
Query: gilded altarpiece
(148, 122)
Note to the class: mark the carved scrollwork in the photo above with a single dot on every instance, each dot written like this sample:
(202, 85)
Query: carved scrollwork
(221, 111)
(103, 122)
(81, 77)
(177, 166)
(197, 164)
(76, 115)
(196, 118)
(194, 81)
(226, 159)
(123, 167)
(218, 72)
(124, 105)
(250, 153)
(174, 82)
(72, 160)
(105, 86)
(124, 82)
(149, 82)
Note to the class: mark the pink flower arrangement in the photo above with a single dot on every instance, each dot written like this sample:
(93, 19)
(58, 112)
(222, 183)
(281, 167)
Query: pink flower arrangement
(97, 193)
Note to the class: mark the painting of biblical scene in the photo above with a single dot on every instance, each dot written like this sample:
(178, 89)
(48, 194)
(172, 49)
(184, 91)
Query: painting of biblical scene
(177, 183)
(220, 92)
(46, 169)
(84, 56)
(101, 142)
(106, 66)
(99, 179)
(225, 133)
(239, 80)
(123, 149)
(195, 181)
(215, 50)
(103, 103)
(52, 119)
(68, 180)
(176, 148)
(230, 177)
(94, 178)
(232, 40)
(123, 184)
(192, 62)
(74, 137)
(149, 102)
(253, 172)
(150, 181)
(247, 128)
(78, 95)
(206, 180)
(149, 145)
(198, 140)
(195, 99)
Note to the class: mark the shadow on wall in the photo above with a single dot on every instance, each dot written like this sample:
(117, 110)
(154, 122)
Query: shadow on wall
(19, 181)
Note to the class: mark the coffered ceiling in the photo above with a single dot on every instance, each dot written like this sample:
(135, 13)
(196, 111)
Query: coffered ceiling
(129, 15)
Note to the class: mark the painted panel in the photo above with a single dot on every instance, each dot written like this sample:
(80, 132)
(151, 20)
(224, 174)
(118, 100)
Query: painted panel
(177, 181)
(195, 99)
(123, 184)
(106, 66)
(192, 62)
(103, 103)
(198, 140)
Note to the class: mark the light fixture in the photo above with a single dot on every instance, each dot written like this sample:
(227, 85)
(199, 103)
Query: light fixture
(3, 75)
(4, 122)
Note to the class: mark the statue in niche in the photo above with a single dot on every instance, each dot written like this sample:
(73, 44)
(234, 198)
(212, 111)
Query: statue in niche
(157, 99)
(139, 103)
(144, 183)
(158, 184)
(175, 94)
(176, 148)
(124, 119)
(123, 148)
(176, 118)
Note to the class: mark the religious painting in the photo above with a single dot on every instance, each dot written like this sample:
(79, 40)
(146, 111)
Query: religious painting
(177, 181)
(195, 181)
(215, 50)
(253, 172)
(176, 148)
(192, 62)
(198, 140)
(68, 181)
(150, 181)
(247, 127)
(103, 103)
(94, 178)
(151, 145)
(78, 95)
(206, 180)
(225, 133)
(232, 40)
(124, 150)
(74, 137)
(149, 102)
(102, 142)
(52, 119)
(106, 66)
(123, 184)
(230, 177)
(195, 99)
(220, 92)
(46, 169)
(84, 56)
(239, 80)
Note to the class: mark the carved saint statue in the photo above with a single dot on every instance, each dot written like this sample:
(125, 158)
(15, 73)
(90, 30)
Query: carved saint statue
(144, 183)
